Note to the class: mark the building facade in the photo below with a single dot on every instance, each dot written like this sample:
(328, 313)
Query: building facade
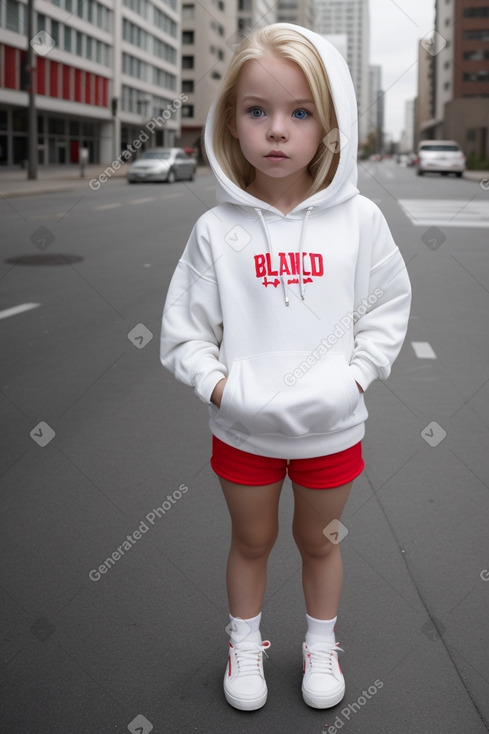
(351, 17)
(103, 70)
(300, 12)
(376, 108)
(211, 29)
(207, 26)
(425, 102)
(460, 72)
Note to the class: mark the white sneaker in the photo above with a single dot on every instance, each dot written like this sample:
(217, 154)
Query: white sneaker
(323, 684)
(244, 682)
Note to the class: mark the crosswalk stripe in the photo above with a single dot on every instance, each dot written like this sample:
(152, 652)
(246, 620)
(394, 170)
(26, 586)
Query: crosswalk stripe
(446, 212)
(101, 207)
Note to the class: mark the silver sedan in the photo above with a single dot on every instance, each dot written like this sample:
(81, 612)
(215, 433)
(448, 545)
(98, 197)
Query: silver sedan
(162, 164)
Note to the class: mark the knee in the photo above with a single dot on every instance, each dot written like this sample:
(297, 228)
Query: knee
(311, 547)
(255, 546)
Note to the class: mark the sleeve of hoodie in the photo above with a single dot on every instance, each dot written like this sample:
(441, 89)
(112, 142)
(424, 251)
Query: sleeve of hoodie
(192, 319)
(382, 298)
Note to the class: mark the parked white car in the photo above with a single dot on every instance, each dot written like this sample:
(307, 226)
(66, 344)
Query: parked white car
(440, 156)
(162, 164)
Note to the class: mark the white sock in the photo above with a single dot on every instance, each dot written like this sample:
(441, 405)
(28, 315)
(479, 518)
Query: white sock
(320, 631)
(244, 630)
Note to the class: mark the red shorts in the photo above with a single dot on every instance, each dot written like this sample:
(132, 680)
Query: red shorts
(320, 472)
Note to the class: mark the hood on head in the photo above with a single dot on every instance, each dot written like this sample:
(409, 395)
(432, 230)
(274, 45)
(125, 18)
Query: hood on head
(344, 183)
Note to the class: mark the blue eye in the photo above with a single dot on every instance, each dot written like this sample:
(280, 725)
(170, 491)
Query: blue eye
(256, 112)
(300, 114)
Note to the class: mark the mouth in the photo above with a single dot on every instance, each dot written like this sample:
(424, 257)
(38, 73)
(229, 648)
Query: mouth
(276, 155)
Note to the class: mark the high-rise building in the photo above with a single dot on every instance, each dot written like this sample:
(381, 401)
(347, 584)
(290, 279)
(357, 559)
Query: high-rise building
(103, 69)
(460, 69)
(254, 14)
(425, 112)
(208, 30)
(300, 12)
(376, 108)
(406, 144)
(350, 17)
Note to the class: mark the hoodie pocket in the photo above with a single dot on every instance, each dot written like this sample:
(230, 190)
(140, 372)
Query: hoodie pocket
(283, 393)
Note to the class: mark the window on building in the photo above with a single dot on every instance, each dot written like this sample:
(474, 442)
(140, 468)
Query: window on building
(79, 43)
(188, 86)
(41, 22)
(481, 34)
(67, 39)
(478, 55)
(477, 12)
(188, 12)
(187, 62)
(188, 37)
(55, 31)
(477, 76)
(13, 18)
(187, 110)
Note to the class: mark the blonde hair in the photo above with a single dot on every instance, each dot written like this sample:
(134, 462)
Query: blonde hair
(292, 46)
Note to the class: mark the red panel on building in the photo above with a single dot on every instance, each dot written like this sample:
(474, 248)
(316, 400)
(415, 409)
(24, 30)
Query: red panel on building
(99, 90)
(66, 82)
(11, 68)
(88, 88)
(41, 75)
(78, 81)
(74, 153)
(53, 79)
(105, 96)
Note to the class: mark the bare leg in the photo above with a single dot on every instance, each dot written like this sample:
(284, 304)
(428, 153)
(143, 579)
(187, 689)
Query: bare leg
(322, 567)
(254, 516)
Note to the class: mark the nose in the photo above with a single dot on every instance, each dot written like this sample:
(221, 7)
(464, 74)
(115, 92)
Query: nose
(277, 129)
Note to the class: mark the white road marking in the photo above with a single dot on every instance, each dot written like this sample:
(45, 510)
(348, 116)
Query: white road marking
(172, 196)
(142, 201)
(7, 312)
(101, 207)
(446, 212)
(423, 350)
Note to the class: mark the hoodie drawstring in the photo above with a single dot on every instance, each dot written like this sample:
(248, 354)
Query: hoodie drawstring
(269, 245)
(303, 232)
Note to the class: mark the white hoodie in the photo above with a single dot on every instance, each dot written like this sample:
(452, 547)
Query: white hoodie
(294, 309)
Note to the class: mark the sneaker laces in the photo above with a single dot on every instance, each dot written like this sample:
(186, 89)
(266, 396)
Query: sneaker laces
(322, 660)
(249, 656)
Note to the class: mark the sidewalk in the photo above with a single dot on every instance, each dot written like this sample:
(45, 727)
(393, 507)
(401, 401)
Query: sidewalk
(14, 182)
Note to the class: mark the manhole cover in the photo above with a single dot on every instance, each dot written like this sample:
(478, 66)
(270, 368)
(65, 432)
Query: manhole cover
(51, 259)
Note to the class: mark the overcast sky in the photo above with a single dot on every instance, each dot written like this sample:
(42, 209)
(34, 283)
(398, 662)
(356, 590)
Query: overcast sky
(396, 26)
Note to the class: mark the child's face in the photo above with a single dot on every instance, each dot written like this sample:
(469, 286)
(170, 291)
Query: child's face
(276, 120)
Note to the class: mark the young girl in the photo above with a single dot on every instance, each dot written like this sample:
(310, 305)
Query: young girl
(291, 297)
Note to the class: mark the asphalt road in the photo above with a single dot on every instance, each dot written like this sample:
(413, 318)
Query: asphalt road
(105, 456)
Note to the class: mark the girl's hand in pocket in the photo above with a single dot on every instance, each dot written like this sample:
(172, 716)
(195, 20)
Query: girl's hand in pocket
(216, 396)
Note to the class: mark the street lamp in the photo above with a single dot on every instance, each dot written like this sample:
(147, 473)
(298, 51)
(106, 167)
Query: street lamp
(32, 115)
